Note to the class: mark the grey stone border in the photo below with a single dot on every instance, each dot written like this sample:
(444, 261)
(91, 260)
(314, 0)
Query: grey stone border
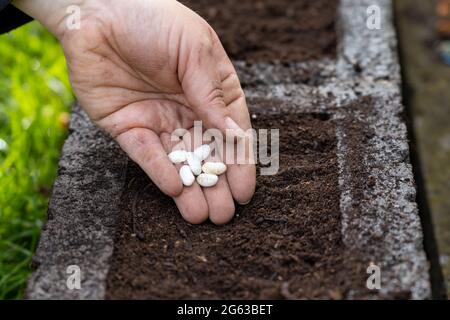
(387, 226)
(80, 226)
(392, 201)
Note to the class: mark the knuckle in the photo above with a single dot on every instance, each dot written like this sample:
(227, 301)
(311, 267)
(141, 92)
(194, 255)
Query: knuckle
(207, 40)
(205, 46)
(215, 98)
(212, 35)
(232, 79)
(134, 139)
(239, 93)
(215, 94)
(138, 137)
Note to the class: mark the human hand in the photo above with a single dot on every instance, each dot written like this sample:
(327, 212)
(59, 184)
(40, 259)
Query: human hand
(142, 69)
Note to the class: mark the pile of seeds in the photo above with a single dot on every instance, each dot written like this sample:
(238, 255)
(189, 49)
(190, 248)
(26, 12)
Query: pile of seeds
(207, 174)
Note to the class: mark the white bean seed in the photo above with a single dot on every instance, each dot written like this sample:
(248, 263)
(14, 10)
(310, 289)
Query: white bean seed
(202, 152)
(207, 180)
(177, 156)
(186, 176)
(194, 163)
(216, 168)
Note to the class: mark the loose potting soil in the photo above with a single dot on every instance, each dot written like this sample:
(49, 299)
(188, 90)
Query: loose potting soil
(269, 30)
(286, 243)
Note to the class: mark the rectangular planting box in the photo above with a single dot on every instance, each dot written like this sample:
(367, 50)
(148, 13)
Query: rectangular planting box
(285, 244)
(342, 202)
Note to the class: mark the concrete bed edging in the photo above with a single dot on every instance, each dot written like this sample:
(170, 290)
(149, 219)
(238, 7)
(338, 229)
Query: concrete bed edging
(386, 225)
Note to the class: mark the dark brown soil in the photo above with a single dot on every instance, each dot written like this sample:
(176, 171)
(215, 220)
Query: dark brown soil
(269, 30)
(285, 244)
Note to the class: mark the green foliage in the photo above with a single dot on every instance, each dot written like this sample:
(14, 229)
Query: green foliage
(34, 96)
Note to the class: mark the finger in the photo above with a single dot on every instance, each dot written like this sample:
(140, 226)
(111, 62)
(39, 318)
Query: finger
(242, 178)
(144, 147)
(206, 67)
(191, 202)
(241, 175)
(219, 199)
(241, 171)
(214, 92)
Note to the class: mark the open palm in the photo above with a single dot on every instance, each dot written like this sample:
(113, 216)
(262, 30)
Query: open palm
(143, 71)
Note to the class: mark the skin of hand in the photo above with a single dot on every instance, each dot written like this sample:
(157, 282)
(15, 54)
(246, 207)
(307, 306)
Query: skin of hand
(144, 68)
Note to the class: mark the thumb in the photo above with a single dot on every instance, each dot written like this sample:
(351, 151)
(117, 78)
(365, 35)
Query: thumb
(203, 86)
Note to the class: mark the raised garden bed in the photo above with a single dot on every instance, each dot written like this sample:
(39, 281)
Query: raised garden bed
(344, 196)
(289, 237)
(285, 244)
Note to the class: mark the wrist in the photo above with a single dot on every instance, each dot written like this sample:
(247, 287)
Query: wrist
(57, 16)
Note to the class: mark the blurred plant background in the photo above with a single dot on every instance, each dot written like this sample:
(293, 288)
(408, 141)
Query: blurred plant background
(35, 97)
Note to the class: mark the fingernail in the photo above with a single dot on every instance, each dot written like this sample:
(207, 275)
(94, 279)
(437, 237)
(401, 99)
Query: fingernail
(234, 127)
(244, 203)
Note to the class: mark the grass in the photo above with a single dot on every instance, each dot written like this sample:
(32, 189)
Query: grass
(35, 96)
